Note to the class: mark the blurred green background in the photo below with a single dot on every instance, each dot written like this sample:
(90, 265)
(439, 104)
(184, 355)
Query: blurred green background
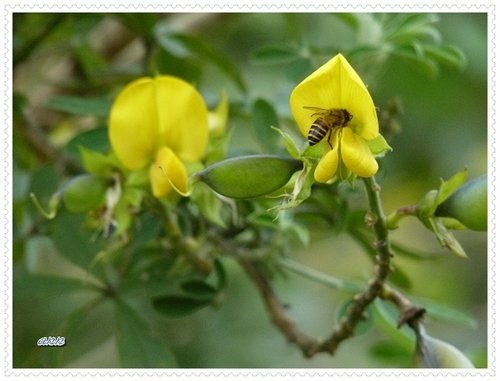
(443, 129)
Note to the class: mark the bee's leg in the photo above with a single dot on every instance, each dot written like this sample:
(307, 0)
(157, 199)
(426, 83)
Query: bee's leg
(328, 137)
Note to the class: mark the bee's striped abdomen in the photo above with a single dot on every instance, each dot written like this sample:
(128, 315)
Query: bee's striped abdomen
(317, 131)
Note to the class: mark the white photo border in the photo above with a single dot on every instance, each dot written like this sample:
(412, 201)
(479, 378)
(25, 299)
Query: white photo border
(8, 8)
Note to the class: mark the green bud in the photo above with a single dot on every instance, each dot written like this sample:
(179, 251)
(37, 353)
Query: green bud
(468, 204)
(84, 193)
(434, 353)
(249, 176)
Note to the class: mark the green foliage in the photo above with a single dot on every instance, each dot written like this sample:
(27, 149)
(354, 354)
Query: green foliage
(135, 281)
(412, 37)
(137, 345)
(80, 106)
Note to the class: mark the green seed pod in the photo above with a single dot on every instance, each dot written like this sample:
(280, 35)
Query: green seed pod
(84, 193)
(434, 353)
(249, 176)
(468, 204)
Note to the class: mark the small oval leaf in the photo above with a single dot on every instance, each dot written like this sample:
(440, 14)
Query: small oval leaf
(249, 176)
(177, 306)
(199, 290)
(271, 55)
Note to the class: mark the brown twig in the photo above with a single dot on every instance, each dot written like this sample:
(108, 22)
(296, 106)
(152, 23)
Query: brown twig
(277, 311)
(357, 310)
(409, 313)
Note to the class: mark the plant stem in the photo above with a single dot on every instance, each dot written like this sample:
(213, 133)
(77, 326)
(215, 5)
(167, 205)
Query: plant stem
(357, 310)
(393, 219)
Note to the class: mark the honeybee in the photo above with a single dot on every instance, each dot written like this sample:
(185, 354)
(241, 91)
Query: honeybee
(326, 122)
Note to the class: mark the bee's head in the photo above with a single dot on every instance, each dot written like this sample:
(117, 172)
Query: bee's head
(347, 115)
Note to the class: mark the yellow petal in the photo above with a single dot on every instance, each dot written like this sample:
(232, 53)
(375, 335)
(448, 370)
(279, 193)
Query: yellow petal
(153, 112)
(183, 118)
(168, 173)
(329, 163)
(356, 154)
(217, 118)
(133, 124)
(335, 85)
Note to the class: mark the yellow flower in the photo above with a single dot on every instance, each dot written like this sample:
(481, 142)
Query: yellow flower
(161, 122)
(337, 86)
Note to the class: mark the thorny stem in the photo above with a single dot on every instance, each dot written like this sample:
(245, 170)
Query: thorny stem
(410, 314)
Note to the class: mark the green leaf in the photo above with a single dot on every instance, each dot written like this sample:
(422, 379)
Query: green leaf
(405, 28)
(350, 19)
(274, 54)
(204, 50)
(390, 352)
(448, 187)
(386, 318)
(249, 176)
(415, 32)
(137, 347)
(379, 146)
(363, 53)
(199, 289)
(410, 53)
(96, 163)
(298, 69)
(264, 116)
(301, 188)
(46, 286)
(90, 62)
(188, 68)
(446, 313)
(141, 24)
(400, 278)
(209, 204)
(80, 106)
(178, 306)
(183, 45)
(446, 55)
(73, 240)
(290, 145)
(220, 272)
(95, 139)
(445, 237)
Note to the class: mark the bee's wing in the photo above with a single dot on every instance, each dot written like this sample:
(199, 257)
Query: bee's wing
(317, 110)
